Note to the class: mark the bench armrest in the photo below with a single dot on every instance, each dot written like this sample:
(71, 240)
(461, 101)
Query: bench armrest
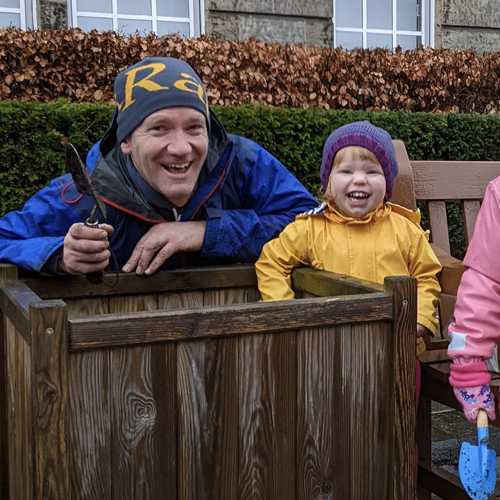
(450, 276)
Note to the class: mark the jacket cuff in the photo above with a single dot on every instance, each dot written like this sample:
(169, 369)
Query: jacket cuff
(469, 375)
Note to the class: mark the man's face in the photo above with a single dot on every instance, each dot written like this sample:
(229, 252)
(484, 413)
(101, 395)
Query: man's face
(168, 149)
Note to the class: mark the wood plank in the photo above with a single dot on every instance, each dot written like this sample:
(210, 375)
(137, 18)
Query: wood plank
(442, 483)
(327, 284)
(90, 429)
(434, 356)
(208, 413)
(438, 225)
(178, 280)
(50, 400)
(267, 407)
(15, 298)
(7, 272)
(161, 326)
(404, 291)
(19, 407)
(423, 441)
(453, 180)
(323, 421)
(370, 443)
(470, 212)
(143, 443)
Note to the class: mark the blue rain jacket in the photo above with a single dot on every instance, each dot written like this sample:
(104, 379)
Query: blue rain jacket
(245, 194)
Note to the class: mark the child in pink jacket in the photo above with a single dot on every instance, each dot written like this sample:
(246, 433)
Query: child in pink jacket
(476, 327)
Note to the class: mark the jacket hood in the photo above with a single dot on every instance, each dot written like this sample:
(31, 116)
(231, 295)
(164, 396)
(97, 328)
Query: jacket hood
(383, 210)
(115, 184)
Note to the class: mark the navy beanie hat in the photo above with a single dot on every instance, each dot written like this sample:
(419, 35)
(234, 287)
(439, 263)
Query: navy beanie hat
(366, 135)
(152, 84)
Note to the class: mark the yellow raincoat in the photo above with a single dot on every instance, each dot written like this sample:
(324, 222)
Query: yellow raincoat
(386, 242)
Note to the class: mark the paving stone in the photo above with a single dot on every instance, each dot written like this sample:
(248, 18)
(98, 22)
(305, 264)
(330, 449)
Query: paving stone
(449, 429)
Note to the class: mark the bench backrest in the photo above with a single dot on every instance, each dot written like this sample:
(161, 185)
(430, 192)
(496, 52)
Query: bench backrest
(434, 184)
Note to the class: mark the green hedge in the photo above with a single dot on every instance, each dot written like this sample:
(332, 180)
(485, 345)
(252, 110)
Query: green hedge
(32, 138)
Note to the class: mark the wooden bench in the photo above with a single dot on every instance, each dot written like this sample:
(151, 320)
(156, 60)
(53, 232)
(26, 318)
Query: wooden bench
(181, 386)
(434, 183)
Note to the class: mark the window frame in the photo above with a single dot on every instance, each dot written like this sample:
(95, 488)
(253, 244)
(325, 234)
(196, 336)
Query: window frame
(26, 11)
(426, 32)
(196, 19)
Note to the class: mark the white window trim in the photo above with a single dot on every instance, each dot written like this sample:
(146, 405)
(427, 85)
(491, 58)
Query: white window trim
(73, 16)
(21, 10)
(426, 32)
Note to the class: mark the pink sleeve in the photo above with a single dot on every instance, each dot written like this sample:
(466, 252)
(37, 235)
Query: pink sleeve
(476, 328)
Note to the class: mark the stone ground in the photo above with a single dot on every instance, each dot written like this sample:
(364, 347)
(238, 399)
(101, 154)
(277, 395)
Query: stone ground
(449, 430)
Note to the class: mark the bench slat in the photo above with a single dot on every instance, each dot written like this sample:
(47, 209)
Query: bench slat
(439, 225)
(471, 211)
(452, 180)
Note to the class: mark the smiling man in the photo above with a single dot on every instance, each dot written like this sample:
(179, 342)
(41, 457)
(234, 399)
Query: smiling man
(179, 190)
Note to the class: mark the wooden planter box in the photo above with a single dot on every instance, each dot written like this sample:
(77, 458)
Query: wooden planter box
(182, 386)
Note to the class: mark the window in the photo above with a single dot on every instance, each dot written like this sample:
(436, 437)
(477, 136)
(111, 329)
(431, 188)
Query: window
(383, 23)
(128, 16)
(16, 13)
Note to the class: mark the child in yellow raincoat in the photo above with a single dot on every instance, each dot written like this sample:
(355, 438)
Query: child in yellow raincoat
(357, 231)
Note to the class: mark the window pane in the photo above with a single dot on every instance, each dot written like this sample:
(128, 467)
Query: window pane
(94, 6)
(408, 42)
(7, 19)
(89, 23)
(349, 13)
(142, 8)
(130, 26)
(348, 40)
(379, 14)
(172, 8)
(13, 4)
(167, 28)
(408, 15)
(374, 40)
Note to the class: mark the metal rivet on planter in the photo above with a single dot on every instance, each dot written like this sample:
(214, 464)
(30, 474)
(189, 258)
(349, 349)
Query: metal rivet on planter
(49, 330)
(405, 302)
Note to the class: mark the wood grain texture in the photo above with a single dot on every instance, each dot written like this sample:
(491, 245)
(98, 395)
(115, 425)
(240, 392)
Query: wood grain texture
(208, 414)
(49, 365)
(268, 412)
(178, 280)
(470, 213)
(7, 272)
(453, 180)
(89, 413)
(323, 428)
(438, 224)
(404, 292)
(20, 461)
(143, 441)
(423, 440)
(326, 284)
(15, 298)
(370, 403)
(238, 319)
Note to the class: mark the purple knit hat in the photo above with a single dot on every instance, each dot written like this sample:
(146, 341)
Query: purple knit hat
(366, 135)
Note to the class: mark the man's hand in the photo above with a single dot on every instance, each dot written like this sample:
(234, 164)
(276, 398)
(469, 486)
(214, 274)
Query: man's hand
(86, 249)
(162, 241)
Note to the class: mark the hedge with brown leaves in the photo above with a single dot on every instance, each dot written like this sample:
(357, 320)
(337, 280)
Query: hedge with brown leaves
(46, 65)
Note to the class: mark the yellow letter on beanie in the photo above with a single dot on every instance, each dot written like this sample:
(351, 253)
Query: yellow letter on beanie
(196, 89)
(145, 83)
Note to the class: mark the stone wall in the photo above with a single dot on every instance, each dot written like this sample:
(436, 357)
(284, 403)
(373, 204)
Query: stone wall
(52, 14)
(282, 21)
(466, 24)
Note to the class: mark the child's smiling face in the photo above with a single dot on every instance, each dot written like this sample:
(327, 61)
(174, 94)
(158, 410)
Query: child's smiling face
(357, 186)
